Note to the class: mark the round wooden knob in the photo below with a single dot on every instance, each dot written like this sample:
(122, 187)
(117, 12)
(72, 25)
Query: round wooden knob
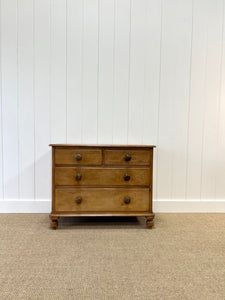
(78, 157)
(126, 177)
(78, 200)
(78, 177)
(126, 200)
(127, 157)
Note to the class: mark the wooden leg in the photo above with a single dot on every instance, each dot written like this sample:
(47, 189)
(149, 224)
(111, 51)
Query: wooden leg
(149, 221)
(54, 222)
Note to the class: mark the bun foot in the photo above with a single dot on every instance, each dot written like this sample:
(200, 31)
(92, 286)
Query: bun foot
(149, 221)
(54, 222)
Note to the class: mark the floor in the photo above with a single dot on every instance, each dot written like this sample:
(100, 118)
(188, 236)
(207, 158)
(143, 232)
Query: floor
(182, 257)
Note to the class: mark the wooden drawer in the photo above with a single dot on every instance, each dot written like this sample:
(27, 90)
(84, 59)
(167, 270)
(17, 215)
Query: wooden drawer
(96, 200)
(78, 156)
(101, 176)
(127, 157)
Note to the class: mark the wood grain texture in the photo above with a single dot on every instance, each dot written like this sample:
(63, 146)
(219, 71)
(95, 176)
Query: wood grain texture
(103, 146)
(88, 157)
(102, 214)
(104, 199)
(103, 71)
(117, 157)
(53, 180)
(104, 190)
(101, 177)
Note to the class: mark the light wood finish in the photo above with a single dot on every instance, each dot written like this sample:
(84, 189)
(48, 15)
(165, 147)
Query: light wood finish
(101, 176)
(78, 156)
(103, 199)
(147, 147)
(54, 221)
(102, 214)
(101, 180)
(149, 221)
(134, 157)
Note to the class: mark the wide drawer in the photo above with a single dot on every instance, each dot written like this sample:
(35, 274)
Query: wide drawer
(107, 199)
(78, 156)
(69, 176)
(127, 157)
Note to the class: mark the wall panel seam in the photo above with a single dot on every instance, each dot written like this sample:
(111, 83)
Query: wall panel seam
(114, 41)
(159, 98)
(17, 92)
(2, 155)
(220, 92)
(128, 94)
(189, 101)
(34, 98)
(66, 71)
(98, 74)
(204, 107)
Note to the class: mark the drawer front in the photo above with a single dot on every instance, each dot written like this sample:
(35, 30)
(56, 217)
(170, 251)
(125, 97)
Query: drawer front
(127, 157)
(78, 156)
(91, 200)
(69, 176)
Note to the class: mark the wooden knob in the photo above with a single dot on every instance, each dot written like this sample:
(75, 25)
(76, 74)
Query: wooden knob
(126, 177)
(78, 157)
(127, 157)
(78, 177)
(126, 200)
(78, 200)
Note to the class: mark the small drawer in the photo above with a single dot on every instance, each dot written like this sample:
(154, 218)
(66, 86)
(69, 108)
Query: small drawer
(85, 176)
(128, 157)
(78, 157)
(99, 200)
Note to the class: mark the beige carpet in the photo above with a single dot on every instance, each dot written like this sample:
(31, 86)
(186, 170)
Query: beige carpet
(183, 257)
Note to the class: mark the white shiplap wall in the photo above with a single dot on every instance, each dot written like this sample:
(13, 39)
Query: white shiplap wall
(120, 72)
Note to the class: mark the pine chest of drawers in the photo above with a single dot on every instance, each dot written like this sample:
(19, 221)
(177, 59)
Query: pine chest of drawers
(101, 181)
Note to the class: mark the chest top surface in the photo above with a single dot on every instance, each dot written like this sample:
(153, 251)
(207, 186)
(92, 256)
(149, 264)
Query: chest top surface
(103, 146)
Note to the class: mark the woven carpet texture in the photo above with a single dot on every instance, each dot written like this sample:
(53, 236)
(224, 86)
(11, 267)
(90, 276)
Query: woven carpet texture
(182, 257)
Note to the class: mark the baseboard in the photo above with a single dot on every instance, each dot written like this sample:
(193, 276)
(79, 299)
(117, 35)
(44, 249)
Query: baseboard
(25, 206)
(189, 206)
(160, 206)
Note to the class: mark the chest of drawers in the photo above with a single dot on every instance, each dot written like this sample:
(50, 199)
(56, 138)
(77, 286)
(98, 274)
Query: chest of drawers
(101, 181)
